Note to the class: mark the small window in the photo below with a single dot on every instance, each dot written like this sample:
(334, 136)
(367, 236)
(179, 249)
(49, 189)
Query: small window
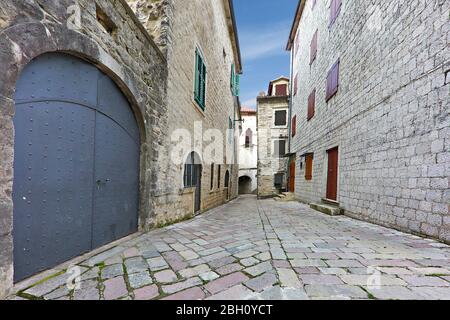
(212, 176)
(248, 138)
(294, 126)
(313, 48)
(312, 105)
(335, 9)
(278, 180)
(281, 90)
(280, 118)
(200, 81)
(309, 167)
(333, 81)
(279, 148)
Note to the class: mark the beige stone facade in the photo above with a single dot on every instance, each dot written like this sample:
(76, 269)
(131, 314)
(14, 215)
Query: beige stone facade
(273, 138)
(180, 28)
(390, 116)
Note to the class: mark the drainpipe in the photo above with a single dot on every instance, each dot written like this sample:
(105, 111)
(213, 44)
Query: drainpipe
(288, 171)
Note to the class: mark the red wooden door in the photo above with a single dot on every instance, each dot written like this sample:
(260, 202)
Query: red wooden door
(292, 177)
(332, 174)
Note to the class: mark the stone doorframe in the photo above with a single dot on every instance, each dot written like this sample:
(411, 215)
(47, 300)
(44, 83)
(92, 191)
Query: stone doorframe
(19, 44)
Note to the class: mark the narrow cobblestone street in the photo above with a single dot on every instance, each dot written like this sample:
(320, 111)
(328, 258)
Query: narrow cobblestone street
(251, 249)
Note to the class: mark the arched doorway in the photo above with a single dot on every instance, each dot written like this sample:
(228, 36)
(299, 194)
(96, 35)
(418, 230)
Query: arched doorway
(193, 178)
(76, 164)
(245, 185)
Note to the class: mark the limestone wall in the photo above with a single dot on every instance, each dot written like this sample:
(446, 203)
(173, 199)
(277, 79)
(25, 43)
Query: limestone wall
(268, 164)
(126, 53)
(390, 117)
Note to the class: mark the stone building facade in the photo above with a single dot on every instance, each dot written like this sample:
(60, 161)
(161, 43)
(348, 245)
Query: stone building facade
(105, 35)
(182, 28)
(248, 153)
(148, 71)
(373, 101)
(273, 130)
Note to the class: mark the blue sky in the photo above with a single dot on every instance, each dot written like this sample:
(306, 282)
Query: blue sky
(263, 27)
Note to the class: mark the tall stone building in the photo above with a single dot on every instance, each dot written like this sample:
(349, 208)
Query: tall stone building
(273, 138)
(370, 111)
(248, 153)
(199, 40)
(90, 104)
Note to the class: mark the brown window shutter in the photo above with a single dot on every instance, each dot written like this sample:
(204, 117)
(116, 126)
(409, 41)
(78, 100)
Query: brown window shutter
(309, 166)
(294, 126)
(312, 105)
(281, 90)
(295, 85)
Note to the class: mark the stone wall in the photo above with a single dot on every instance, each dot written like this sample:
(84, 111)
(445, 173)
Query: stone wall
(268, 164)
(390, 117)
(189, 25)
(127, 54)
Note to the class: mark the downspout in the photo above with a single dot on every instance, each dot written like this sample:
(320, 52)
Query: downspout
(288, 173)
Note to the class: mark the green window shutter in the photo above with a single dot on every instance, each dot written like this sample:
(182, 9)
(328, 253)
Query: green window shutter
(197, 82)
(200, 80)
(237, 85)
(232, 78)
(203, 97)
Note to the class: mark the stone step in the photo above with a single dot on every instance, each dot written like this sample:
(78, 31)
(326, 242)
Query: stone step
(330, 202)
(328, 209)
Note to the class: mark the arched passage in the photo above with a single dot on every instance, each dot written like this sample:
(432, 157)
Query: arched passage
(77, 149)
(245, 185)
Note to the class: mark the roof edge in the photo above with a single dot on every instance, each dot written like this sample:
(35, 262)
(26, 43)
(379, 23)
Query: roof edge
(229, 6)
(294, 28)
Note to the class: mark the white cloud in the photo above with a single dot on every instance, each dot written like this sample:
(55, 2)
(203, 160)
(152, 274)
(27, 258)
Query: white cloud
(264, 43)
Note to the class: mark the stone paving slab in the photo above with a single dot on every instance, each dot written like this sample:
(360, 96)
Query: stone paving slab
(256, 250)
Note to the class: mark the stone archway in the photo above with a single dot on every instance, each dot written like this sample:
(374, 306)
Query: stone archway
(245, 185)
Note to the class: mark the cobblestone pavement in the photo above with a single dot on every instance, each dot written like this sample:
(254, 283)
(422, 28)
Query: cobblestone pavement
(251, 249)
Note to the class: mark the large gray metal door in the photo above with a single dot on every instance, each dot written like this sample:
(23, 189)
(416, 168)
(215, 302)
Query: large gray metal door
(76, 163)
